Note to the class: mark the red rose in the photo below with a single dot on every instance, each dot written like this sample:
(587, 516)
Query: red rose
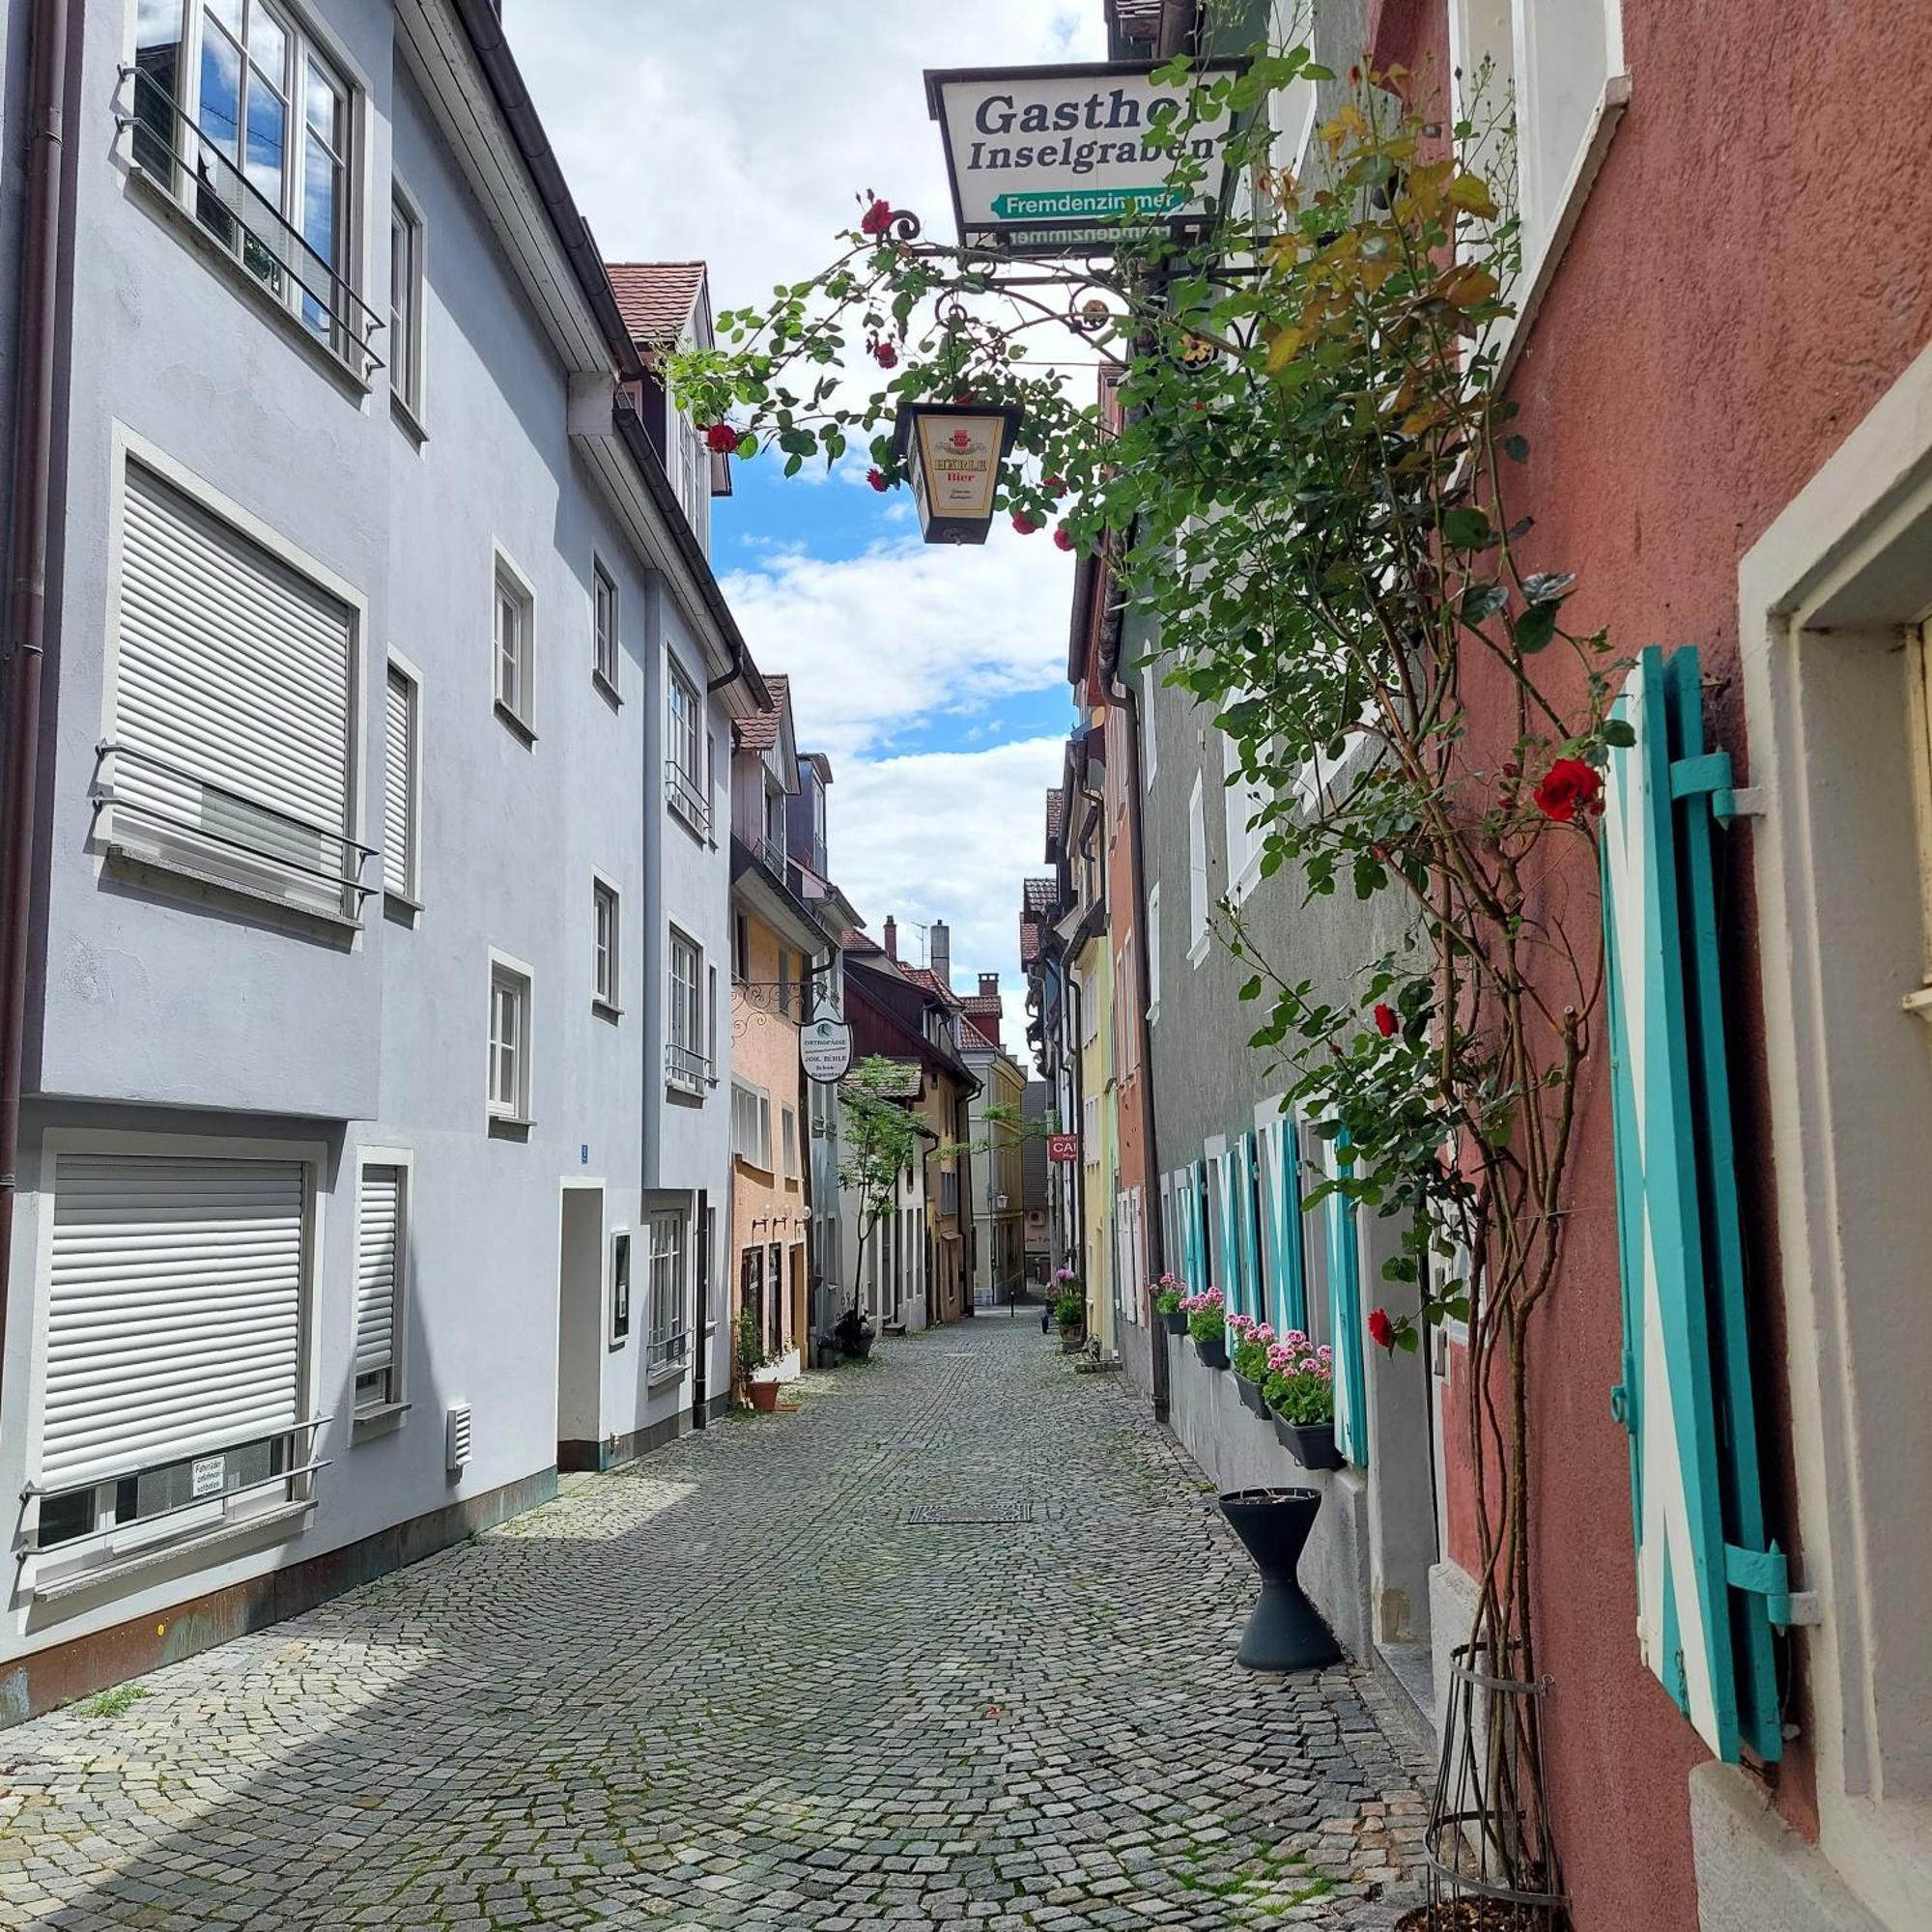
(722, 438)
(886, 355)
(1386, 1020)
(1381, 1330)
(877, 480)
(1568, 787)
(1054, 486)
(877, 218)
(1062, 537)
(1024, 524)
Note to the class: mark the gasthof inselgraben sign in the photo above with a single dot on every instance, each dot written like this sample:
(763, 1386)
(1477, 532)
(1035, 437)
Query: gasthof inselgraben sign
(1062, 160)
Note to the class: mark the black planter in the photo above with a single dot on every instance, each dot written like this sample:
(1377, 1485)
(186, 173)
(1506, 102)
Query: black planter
(1214, 1353)
(1251, 1395)
(1176, 1322)
(1312, 1444)
(857, 1342)
(1285, 1630)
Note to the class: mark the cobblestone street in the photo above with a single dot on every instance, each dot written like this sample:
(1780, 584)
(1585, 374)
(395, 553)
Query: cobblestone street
(750, 1681)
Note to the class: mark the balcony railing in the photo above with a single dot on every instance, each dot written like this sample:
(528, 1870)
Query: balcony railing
(772, 856)
(687, 798)
(173, 153)
(160, 811)
(686, 1069)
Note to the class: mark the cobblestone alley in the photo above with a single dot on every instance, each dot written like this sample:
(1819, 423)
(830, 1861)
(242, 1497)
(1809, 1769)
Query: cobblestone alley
(750, 1681)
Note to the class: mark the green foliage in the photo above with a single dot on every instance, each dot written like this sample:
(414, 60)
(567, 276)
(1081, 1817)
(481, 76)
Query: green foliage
(879, 1138)
(110, 1703)
(1069, 1307)
(1208, 1325)
(1306, 1397)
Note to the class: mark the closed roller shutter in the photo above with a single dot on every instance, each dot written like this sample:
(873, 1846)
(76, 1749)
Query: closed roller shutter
(398, 765)
(377, 1248)
(173, 1317)
(234, 670)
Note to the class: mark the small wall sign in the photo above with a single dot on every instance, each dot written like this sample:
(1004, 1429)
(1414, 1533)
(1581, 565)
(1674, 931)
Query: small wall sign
(825, 1048)
(1062, 1147)
(209, 1476)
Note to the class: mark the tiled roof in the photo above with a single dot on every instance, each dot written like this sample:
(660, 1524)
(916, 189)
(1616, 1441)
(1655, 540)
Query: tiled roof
(1040, 894)
(978, 1004)
(1056, 813)
(925, 975)
(656, 298)
(901, 1083)
(759, 732)
(1029, 943)
(974, 1042)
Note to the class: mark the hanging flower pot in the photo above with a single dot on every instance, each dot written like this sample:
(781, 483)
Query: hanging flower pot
(1312, 1444)
(1285, 1630)
(1252, 1398)
(1208, 1323)
(1173, 1321)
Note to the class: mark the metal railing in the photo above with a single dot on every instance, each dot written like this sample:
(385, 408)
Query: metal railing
(345, 877)
(771, 855)
(686, 1067)
(687, 798)
(173, 152)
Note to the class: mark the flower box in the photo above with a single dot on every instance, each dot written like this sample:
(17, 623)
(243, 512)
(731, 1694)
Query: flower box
(1213, 1351)
(1251, 1394)
(1312, 1444)
(1175, 1322)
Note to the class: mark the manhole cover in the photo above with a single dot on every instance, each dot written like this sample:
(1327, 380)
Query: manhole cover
(983, 1512)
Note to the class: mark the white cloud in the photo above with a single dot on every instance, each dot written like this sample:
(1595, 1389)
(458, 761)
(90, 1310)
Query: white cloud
(948, 834)
(877, 643)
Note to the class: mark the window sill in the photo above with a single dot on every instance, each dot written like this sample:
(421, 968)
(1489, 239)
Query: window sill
(400, 906)
(608, 691)
(1198, 952)
(406, 420)
(370, 1423)
(691, 819)
(164, 868)
(281, 1519)
(668, 1372)
(603, 1009)
(618, 1343)
(247, 286)
(751, 1166)
(517, 725)
(509, 1127)
(1154, 1015)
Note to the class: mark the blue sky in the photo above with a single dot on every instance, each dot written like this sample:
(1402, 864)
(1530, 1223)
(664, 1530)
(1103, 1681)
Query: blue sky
(934, 678)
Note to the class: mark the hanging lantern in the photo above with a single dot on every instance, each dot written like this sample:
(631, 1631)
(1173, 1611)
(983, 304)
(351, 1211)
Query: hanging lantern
(954, 460)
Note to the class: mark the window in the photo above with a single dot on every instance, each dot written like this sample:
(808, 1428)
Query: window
(669, 1326)
(620, 1285)
(1090, 1129)
(1153, 953)
(1198, 904)
(382, 1266)
(240, 117)
(405, 305)
(789, 1116)
(1126, 1004)
(687, 1065)
(402, 781)
(604, 981)
(229, 750)
(949, 1189)
(513, 646)
(604, 623)
(1149, 745)
(751, 1124)
(741, 947)
(691, 476)
(168, 1398)
(1245, 838)
(684, 756)
(509, 1043)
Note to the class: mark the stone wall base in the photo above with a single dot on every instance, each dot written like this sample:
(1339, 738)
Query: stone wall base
(1754, 1873)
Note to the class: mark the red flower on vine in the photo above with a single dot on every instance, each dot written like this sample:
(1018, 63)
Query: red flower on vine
(1386, 1020)
(886, 355)
(1054, 486)
(1381, 1330)
(1062, 537)
(877, 480)
(877, 218)
(1568, 787)
(1024, 524)
(722, 438)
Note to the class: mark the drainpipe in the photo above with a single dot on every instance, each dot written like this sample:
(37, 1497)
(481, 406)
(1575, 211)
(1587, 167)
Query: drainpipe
(1071, 1009)
(32, 472)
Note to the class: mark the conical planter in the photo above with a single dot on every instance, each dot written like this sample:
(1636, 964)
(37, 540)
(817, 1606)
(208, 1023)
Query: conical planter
(1251, 1395)
(1312, 1444)
(1213, 1351)
(1285, 1631)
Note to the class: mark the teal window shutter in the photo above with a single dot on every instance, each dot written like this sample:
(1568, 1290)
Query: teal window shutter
(1252, 1297)
(1229, 1264)
(1344, 1315)
(1285, 1228)
(1709, 1583)
(1197, 1195)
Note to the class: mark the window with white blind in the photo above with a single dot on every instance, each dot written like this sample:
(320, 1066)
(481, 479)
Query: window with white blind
(604, 954)
(228, 754)
(402, 782)
(604, 626)
(669, 1321)
(509, 1089)
(513, 638)
(687, 1062)
(382, 1266)
(750, 1124)
(175, 1298)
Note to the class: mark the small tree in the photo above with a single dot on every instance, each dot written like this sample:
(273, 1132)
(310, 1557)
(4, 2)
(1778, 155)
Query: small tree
(881, 1139)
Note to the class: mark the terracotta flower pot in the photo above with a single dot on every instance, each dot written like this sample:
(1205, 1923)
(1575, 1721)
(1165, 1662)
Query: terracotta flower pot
(765, 1397)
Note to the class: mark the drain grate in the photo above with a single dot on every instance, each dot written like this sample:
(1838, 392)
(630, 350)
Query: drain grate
(982, 1513)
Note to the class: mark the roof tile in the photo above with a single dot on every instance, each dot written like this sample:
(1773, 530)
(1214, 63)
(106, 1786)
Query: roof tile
(656, 298)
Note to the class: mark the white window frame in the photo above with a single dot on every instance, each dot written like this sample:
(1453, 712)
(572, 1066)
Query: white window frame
(512, 593)
(688, 1062)
(788, 1121)
(408, 894)
(607, 951)
(1153, 953)
(667, 1343)
(687, 790)
(752, 1106)
(396, 1399)
(1149, 740)
(407, 255)
(607, 632)
(510, 1109)
(1200, 901)
(1247, 841)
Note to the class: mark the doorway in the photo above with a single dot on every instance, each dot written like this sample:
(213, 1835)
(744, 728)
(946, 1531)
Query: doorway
(580, 1328)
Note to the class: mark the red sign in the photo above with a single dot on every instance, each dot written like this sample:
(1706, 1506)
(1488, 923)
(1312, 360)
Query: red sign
(1062, 1147)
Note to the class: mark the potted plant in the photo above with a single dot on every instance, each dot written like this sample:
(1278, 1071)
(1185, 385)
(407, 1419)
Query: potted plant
(1168, 1292)
(1208, 1323)
(1300, 1390)
(856, 1333)
(1251, 1341)
(1069, 1310)
(751, 1361)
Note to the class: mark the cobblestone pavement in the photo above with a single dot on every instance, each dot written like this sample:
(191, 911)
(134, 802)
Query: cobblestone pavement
(745, 1682)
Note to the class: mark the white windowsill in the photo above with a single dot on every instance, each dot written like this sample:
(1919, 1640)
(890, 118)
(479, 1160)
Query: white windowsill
(245, 1530)
(150, 859)
(687, 815)
(406, 420)
(510, 1127)
(401, 902)
(604, 1009)
(1198, 952)
(519, 726)
(669, 1373)
(608, 690)
(382, 1420)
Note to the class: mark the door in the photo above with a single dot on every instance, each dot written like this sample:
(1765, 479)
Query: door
(580, 1329)
(700, 1319)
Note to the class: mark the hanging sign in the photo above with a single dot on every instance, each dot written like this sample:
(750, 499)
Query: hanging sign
(825, 1048)
(1062, 1147)
(1056, 161)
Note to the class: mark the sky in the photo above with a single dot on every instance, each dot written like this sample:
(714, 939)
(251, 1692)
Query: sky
(743, 133)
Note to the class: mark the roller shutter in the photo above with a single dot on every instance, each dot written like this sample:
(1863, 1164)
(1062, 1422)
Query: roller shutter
(399, 768)
(174, 1311)
(378, 1269)
(232, 694)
